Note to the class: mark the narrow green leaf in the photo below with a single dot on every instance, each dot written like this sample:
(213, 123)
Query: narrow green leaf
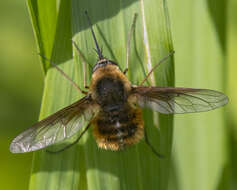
(232, 90)
(44, 20)
(200, 156)
(84, 166)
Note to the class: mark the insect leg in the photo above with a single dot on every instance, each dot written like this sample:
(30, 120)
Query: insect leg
(129, 40)
(83, 63)
(64, 74)
(70, 145)
(161, 61)
(151, 147)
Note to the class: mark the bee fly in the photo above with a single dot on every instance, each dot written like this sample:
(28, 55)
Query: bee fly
(113, 106)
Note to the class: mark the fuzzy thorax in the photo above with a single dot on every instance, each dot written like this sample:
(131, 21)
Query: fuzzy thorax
(108, 71)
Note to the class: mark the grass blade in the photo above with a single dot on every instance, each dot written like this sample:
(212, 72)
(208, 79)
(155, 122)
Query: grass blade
(232, 91)
(200, 157)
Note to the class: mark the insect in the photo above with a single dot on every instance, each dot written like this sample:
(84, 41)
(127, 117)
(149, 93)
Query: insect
(113, 106)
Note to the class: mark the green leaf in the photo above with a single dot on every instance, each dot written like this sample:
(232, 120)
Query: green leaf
(200, 146)
(232, 90)
(84, 166)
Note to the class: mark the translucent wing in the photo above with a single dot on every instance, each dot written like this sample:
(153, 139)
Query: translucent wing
(57, 127)
(169, 100)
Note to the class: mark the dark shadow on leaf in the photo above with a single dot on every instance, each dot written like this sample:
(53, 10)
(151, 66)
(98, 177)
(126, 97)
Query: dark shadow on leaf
(69, 12)
(218, 13)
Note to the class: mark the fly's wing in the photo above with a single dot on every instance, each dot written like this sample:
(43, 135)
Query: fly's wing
(169, 100)
(57, 127)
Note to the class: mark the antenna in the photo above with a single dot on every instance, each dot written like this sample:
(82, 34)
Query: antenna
(93, 34)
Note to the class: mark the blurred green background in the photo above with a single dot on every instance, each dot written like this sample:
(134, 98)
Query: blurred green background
(21, 86)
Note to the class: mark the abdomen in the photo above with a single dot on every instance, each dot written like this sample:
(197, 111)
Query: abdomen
(118, 129)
